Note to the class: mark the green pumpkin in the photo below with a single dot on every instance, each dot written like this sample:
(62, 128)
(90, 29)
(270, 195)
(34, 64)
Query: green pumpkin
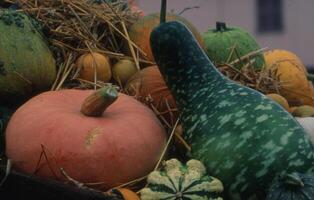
(182, 182)
(220, 41)
(26, 63)
(294, 186)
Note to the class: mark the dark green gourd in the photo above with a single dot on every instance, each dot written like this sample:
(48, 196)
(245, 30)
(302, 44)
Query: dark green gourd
(294, 186)
(243, 138)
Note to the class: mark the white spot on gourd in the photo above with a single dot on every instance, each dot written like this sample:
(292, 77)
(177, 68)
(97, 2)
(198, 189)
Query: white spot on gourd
(262, 118)
(263, 107)
(224, 119)
(239, 121)
(243, 93)
(224, 103)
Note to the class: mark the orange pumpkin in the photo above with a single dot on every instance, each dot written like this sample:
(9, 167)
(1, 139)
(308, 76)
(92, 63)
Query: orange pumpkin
(149, 87)
(114, 147)
(94, 64)
(280, 55)
(128, 194)
(140, 31)
(288, 69)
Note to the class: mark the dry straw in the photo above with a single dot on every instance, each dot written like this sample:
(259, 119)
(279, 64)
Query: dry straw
(74, 27)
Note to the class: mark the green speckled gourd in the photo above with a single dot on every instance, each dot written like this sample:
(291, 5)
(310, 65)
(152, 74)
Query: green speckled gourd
(242, 137)
(182, 182)
(26, 63)
(219, 43)
(294, 186)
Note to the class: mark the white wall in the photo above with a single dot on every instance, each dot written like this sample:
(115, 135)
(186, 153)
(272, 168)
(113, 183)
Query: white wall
(298, 35)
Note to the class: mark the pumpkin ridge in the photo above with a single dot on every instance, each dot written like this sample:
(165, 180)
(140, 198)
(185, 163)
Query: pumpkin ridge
(156, 187)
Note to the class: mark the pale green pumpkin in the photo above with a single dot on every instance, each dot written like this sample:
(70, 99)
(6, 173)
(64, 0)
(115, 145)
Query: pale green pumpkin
(184, 182)
(26, 63)
(226, 44)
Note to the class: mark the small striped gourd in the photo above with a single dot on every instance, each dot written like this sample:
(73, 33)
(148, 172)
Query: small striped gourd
(294, 186)
(182, 182)
(242, 137)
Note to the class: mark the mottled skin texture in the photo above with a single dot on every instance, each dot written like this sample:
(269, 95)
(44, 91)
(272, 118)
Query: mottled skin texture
(219, 44)
(243, 138)
(289, 187)
(26, 63)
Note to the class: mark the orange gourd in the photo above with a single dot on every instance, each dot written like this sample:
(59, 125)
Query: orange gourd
(288, 69)
(280, 100)
(128, 194)
(114, 147)
(94, 64)
(123, 70)
(150, 88)
(140, 31)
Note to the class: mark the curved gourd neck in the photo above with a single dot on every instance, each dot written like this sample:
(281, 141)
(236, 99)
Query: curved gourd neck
(182, 62)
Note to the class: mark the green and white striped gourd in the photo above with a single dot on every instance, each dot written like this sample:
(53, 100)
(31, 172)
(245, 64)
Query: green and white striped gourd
(242, 137)
(182, 182)
(294, 186)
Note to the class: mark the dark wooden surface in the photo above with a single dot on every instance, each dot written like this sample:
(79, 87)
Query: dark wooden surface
(21, 187)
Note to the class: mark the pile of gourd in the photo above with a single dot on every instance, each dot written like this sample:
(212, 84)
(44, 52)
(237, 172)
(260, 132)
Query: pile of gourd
(243, 144)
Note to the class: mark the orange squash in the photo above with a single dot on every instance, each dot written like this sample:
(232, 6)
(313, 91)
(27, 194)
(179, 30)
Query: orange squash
(91, 64)
(140, 31)
(128, 194)
(123, 70)
(280, 55)
(280, 100)
(288, 69)
(149, 87)
(114, 147)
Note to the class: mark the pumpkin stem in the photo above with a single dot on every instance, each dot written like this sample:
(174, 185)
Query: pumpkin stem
(293, 180)
(221, 26)
(163, 11)
(95, 104)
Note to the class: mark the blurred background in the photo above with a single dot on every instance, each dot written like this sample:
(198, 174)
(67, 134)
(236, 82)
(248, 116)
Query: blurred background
(285, 24)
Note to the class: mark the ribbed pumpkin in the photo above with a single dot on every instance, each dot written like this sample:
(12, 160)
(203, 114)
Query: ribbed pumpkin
(219, 43)
(94, 65)
(149, 87)
(112, 147)
(140, 31)
(27, 65)
(278, 55)
(294, 186)
(177, 181)
(292, 76)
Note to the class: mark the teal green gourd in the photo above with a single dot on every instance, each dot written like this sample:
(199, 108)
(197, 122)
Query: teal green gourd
(294, 186)
(219, 44)
(243, 138)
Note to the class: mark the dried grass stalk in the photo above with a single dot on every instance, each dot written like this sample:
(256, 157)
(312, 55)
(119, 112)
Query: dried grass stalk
(74, 27)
